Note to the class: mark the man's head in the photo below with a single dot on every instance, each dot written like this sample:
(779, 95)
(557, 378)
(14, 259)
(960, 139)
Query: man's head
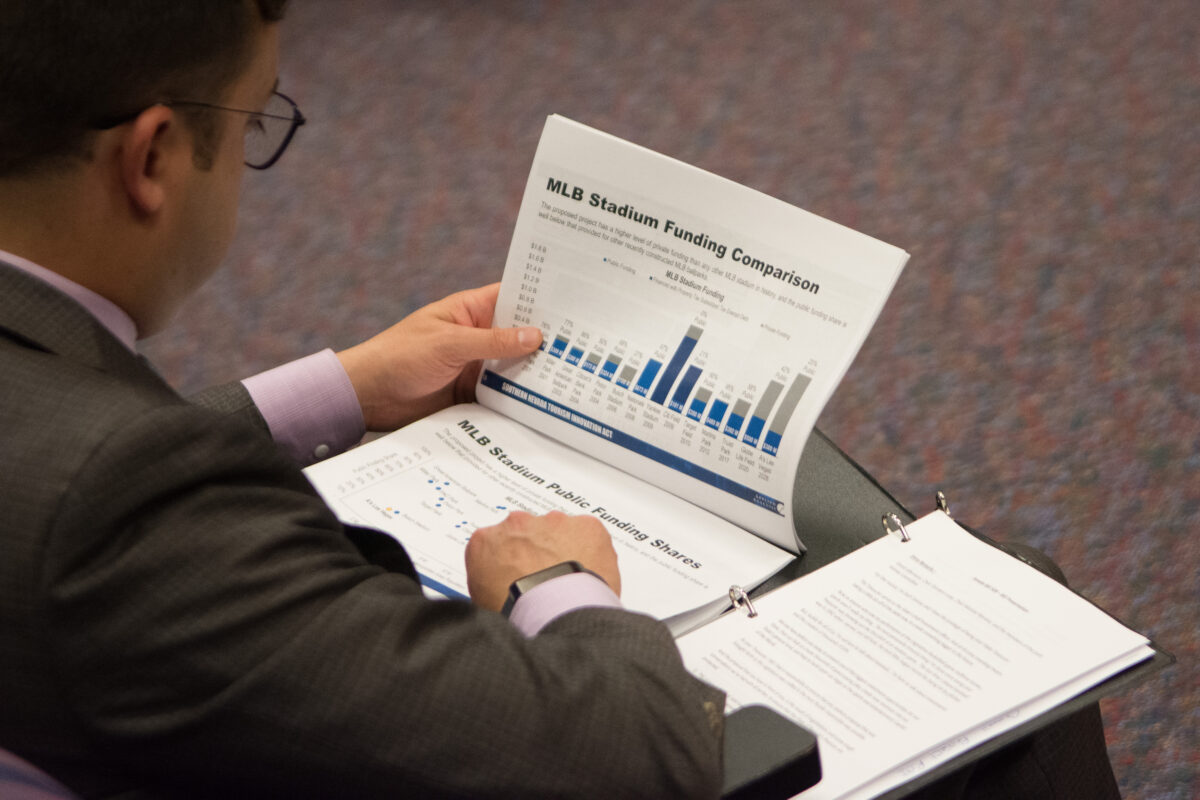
(119, 168)
(68, 65)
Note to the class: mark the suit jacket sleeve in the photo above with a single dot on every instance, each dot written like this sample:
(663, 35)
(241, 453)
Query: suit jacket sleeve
(219, 635)
(232, 399)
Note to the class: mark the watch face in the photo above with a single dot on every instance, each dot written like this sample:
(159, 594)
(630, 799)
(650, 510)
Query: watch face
(522, 585)
(541, 576)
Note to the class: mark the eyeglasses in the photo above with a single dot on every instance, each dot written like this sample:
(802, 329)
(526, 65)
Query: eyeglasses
(267, 136)
(269, 133)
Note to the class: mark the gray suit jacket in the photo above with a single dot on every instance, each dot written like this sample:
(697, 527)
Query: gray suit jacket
(181, 615)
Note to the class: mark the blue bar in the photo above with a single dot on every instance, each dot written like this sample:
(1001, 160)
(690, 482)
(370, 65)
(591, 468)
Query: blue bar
(771, 445)
(588, 366)
(684, 389)
(697, 410)
(554, 409)
(608, 370)
(575, 354)
(624, 384)
(682, 353)
(559, 345)
(753, 430)
(715, 414)
(643, 384)
(734, 425)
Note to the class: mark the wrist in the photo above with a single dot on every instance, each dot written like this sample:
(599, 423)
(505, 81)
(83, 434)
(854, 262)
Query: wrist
(357, 363)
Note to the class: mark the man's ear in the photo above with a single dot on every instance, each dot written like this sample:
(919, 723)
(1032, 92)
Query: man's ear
(150, 142)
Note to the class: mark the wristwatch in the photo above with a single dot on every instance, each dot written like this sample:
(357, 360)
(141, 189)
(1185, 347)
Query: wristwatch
(522, 585)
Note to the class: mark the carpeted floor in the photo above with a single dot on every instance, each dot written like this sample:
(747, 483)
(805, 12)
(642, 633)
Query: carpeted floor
(1040, 159)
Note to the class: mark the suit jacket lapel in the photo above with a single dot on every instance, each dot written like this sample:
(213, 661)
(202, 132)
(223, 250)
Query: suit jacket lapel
(40, 316)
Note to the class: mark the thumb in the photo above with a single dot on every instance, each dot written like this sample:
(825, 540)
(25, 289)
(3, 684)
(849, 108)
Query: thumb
(475, 344)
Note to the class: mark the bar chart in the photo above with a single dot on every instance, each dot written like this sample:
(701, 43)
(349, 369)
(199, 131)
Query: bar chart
(757, 422)
(635, 354)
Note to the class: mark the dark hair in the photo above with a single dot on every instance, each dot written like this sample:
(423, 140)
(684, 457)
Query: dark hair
(66, 64)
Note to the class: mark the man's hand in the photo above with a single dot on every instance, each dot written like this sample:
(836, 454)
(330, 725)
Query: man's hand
(522, 544)
(431, 358)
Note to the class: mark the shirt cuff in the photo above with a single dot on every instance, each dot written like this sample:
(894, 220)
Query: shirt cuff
(547, 601)
(310, 406)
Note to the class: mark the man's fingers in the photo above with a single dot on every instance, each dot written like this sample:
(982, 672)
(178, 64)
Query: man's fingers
(475, 344)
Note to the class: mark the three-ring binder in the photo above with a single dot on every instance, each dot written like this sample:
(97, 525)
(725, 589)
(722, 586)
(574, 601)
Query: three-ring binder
(892, 524)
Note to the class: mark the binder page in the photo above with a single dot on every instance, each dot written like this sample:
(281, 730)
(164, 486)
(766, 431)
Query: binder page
(902, 655)
(694, 328)
(434, 482)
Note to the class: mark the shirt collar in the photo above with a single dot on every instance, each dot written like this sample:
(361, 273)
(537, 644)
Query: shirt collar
(106, 312)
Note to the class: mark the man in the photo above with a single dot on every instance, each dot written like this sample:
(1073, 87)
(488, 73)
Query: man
(180, 614)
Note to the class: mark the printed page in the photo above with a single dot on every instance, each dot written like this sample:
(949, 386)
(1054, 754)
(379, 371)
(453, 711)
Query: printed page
(902, 655)
(434, 482)
(694, 328)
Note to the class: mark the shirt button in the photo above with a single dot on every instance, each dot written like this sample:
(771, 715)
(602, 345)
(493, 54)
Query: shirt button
(320, 451)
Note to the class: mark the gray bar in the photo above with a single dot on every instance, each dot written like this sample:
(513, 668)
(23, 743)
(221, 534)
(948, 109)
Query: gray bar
(790, 401)
(593, 359)
(768, 400)
(702, 395)
(628, 373)
(741, 407)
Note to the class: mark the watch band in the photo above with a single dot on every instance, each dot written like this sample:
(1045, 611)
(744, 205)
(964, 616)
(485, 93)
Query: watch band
(522, 585)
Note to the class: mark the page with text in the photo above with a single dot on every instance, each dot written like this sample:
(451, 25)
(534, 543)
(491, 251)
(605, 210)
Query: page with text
(694, 328)
(902, 655)
(434, 482)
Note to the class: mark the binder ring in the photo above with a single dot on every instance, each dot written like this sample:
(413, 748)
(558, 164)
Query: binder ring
(739, 598)
(893, 525)
(942, 505)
